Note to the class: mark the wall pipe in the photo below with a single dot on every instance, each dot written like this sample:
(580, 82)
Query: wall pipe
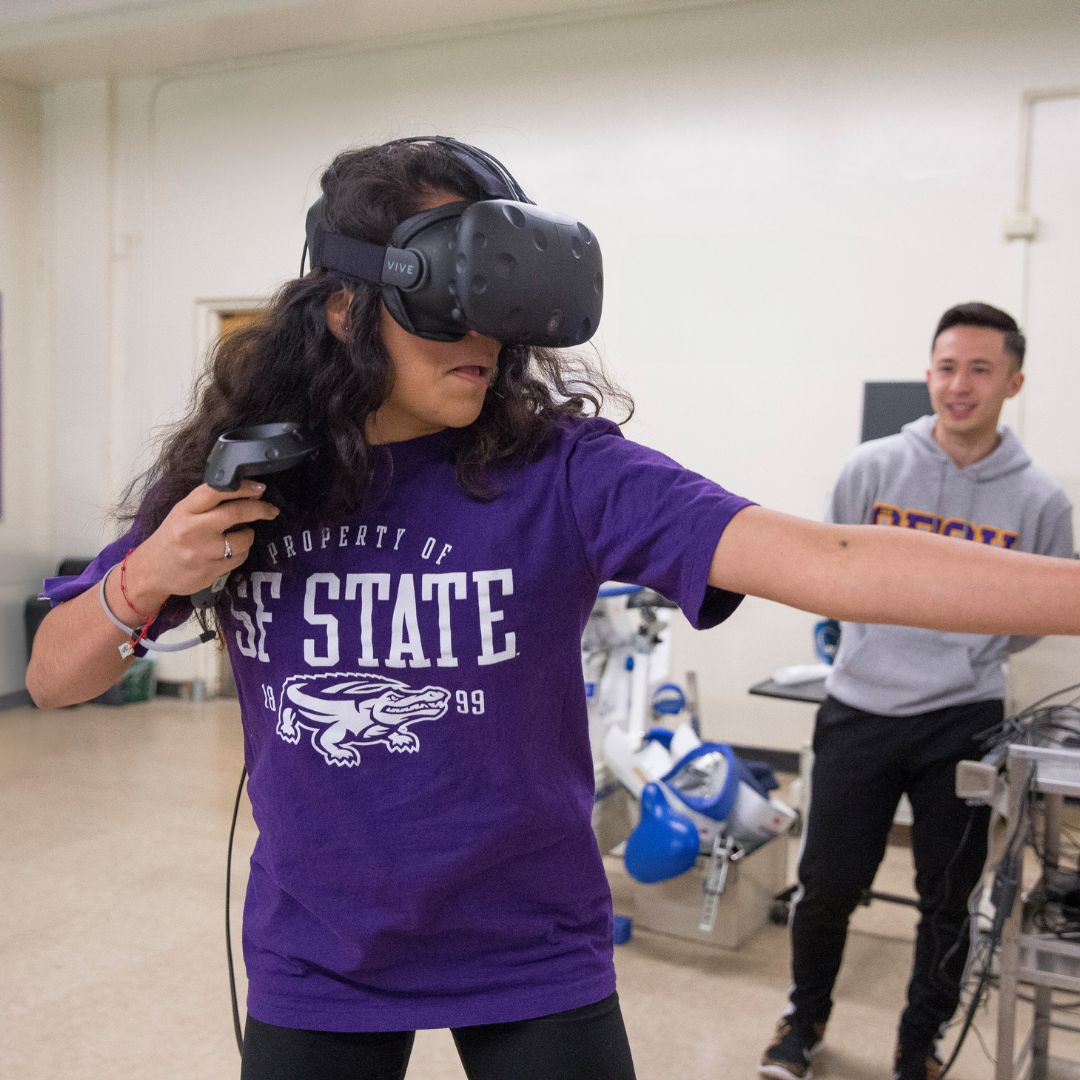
(1021, 225)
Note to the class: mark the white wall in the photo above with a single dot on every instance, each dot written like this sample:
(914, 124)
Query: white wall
(24, 425)
(1046, 407)
(788, 194)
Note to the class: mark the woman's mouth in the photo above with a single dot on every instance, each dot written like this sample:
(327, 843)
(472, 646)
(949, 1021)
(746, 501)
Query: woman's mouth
(476, 374)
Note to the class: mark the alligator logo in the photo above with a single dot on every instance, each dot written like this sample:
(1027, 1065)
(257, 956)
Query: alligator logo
(345, 711)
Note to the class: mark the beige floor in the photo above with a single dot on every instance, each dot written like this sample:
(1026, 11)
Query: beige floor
(112, 964)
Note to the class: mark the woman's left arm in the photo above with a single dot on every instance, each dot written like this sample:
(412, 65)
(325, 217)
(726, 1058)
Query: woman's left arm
(877, 574)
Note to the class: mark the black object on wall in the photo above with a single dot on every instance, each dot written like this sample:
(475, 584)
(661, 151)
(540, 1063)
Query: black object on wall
(888, 406)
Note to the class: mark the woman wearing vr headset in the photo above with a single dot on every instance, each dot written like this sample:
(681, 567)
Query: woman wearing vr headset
(403, 620)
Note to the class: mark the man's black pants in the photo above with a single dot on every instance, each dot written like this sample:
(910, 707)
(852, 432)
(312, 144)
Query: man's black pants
(863, 762)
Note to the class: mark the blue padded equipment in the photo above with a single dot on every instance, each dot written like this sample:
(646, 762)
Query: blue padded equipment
(668, 700)
(665, 842)
(719, 805)
(662, 735)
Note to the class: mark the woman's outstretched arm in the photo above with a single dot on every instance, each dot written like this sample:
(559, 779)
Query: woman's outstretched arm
(76, 649)
(876, 574)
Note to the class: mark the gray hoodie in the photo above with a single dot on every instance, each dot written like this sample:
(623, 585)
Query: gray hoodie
(909, 480)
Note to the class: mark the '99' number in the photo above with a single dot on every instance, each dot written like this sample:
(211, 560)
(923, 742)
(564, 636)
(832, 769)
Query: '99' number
(470, 703)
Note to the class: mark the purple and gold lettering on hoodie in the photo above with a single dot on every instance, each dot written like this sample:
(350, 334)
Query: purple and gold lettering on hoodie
(912, 518)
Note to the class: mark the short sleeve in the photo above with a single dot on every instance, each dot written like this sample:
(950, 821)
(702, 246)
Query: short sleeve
(57, 590)
(646, 520)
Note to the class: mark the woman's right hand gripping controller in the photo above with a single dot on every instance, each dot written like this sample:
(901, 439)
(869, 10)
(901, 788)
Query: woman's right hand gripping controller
(205, 535)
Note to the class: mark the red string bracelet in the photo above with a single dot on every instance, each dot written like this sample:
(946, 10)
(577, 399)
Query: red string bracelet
(127, 650)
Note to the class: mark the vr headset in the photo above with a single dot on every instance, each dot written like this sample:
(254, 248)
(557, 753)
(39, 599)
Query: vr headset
(500, 266)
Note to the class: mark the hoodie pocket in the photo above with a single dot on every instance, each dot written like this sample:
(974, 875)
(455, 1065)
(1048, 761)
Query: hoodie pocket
(911, 668)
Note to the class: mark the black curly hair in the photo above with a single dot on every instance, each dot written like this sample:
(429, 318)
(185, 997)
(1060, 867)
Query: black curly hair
(287, 365)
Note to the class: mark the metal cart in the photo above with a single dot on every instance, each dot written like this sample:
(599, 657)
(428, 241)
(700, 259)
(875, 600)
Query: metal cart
(1044, 961)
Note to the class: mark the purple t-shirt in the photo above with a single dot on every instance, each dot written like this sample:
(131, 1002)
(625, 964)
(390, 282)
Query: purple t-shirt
(416, 733)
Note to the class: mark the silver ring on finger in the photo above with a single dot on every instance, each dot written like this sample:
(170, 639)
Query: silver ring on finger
(228, 548)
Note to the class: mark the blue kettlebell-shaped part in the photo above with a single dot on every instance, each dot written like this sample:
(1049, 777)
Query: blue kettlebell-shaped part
(665, 843)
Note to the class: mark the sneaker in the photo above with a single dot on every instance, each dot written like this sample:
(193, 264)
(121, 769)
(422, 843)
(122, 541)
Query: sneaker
(921, 1064)
(787, 1057)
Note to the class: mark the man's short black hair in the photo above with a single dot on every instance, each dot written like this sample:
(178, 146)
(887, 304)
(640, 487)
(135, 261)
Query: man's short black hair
(976, 314)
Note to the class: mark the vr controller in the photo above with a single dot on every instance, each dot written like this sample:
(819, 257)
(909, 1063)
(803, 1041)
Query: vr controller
(252, 451)
(257, 451)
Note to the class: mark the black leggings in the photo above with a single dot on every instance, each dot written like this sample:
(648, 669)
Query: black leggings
(588, 1043)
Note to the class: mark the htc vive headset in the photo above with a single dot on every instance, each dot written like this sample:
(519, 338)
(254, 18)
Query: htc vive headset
(501, 266)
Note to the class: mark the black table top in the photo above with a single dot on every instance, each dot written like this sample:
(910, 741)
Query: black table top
(813, 691)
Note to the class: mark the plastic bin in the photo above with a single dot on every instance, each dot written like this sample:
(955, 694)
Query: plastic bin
(674, 907)
(138, 684)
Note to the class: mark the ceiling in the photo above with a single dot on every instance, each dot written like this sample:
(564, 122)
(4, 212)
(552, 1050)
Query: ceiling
(47, 41)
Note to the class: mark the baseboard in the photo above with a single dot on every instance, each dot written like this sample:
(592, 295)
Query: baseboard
(15, 700)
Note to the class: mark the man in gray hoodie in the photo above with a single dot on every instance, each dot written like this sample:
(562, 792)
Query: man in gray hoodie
(904, 705)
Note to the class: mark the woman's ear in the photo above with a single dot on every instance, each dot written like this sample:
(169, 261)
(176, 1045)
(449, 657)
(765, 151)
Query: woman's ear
(337, 313)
